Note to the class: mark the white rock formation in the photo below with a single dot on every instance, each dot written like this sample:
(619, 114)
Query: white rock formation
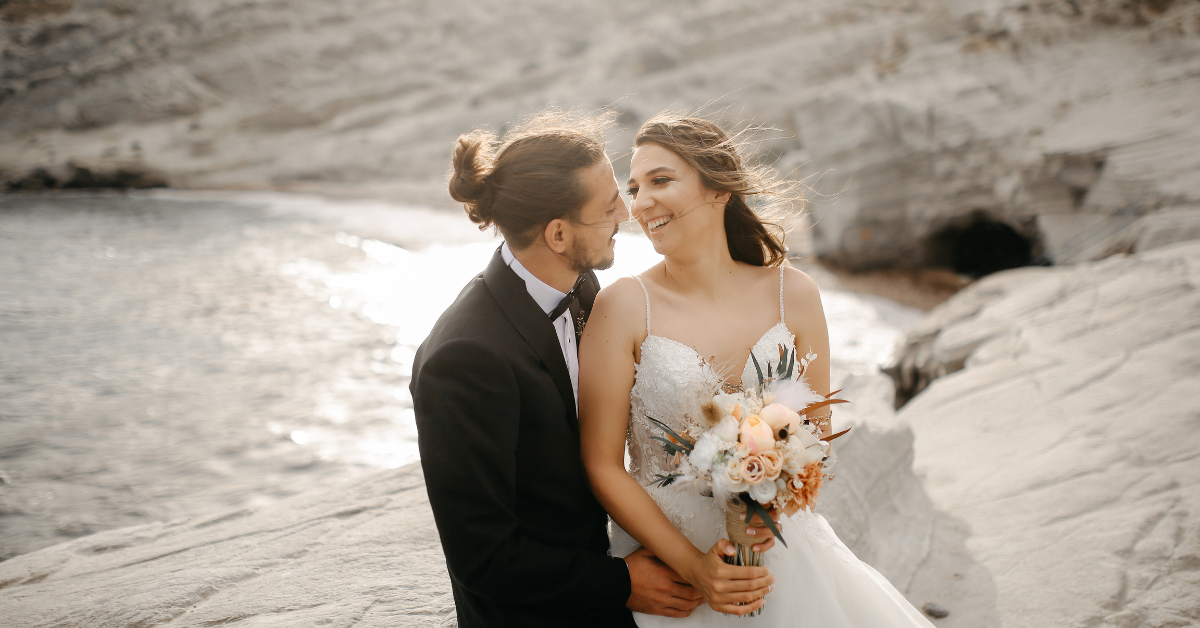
(1067, 444)
(1067, 119)
(364, 554)
(367, 553)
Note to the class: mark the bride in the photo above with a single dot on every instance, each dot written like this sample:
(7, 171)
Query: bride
(657, 345)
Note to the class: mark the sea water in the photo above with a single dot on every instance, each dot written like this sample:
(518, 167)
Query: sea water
(174, 354)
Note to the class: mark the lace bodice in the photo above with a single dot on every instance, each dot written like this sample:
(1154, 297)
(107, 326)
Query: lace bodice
(671, 382)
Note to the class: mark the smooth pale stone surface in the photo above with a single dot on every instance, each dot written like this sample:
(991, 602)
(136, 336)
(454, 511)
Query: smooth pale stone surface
(1069, 442)
(367, 553)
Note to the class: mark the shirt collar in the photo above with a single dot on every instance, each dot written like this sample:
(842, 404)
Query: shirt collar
(543, 294)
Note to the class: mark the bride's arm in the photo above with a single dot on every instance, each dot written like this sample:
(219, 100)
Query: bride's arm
(606, 360)
(806, 321)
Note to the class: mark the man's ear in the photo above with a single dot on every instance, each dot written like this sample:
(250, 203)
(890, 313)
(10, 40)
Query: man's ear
(556, 236)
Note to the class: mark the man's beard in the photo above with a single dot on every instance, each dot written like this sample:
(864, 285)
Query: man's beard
(583, 260)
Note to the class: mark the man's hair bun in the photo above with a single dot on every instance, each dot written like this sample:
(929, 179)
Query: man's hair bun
(472, 163)
(532, 176)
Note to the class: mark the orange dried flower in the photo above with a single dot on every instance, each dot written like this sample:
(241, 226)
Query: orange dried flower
(806, 485)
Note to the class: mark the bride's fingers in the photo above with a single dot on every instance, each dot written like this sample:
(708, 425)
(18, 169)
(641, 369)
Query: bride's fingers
(722, 548)
(764, 546)
(750, 585)
(738, 609)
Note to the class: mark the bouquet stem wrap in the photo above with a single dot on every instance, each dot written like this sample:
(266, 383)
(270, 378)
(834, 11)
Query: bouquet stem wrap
(735, 526)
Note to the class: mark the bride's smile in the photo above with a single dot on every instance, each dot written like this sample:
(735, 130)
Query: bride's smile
(657, 224)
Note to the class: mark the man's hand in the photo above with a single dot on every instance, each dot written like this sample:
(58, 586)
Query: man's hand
(657, 589)
(759, 530)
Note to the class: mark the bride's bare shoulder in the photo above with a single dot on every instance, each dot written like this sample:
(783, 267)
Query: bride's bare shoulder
(620, 307)
(801, 297)
(798, 282)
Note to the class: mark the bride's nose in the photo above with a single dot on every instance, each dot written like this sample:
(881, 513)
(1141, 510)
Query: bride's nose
(640, 204)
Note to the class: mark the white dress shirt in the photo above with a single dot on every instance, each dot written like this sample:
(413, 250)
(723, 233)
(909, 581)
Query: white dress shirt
(548, 298)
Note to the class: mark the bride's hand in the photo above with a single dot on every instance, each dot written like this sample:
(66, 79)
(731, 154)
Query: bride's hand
(759, 530)
(728, 588)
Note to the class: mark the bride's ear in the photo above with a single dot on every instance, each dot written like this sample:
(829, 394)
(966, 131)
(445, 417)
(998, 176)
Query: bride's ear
(720, 198)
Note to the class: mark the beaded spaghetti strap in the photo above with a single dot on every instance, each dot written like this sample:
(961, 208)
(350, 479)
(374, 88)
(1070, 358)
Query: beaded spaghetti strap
(647, 293)
(781, 318)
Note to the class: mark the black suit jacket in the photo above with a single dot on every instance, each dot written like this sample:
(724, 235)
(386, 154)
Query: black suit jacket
(525, 540)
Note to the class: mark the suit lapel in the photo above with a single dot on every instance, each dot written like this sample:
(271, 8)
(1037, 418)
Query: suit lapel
(534, 326)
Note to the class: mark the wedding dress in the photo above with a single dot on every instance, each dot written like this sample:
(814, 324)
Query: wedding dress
(819, 581)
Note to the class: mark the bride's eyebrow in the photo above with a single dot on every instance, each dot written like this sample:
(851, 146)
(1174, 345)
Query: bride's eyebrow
(653, 172)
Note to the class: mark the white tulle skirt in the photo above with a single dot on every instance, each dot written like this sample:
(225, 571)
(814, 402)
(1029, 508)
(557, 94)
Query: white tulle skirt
(819, 581)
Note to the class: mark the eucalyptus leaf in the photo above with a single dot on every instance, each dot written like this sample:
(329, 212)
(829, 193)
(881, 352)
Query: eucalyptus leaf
(671, 448)
(667, 480)
(681, 441)
(758, 369)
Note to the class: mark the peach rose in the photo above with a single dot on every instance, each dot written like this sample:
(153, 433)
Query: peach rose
(779, 417)
(756, 434)
(752, 470)
(772, 462)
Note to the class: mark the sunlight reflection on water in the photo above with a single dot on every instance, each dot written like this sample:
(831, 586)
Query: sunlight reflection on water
(408, 290)
(171, 353)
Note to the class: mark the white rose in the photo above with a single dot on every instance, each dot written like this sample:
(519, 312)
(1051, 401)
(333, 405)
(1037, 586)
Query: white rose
(763, 492)
(804, 439)
(807, 449)
(726, 402)
(726, 430)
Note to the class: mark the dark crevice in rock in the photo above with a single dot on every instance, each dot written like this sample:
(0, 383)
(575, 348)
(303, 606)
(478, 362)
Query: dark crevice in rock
(978, 244)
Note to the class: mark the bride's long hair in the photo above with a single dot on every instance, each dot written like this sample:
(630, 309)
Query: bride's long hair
(719, 159)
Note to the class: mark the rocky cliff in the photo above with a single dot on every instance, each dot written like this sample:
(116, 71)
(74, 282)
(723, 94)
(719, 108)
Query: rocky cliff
(1063, 437)
(975, 134)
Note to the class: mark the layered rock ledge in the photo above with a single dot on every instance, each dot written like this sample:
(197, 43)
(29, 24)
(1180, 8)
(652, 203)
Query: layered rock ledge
(1067, 444)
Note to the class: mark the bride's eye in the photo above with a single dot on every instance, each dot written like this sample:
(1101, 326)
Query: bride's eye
(632, 191)
(659, 180)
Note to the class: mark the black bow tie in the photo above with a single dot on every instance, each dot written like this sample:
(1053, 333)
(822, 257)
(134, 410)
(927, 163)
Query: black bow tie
(567, 300)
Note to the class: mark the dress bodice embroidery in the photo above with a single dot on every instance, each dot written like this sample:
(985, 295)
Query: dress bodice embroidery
(671, 383)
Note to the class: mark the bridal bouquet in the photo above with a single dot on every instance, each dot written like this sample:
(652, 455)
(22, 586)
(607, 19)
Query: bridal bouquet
(754, 450)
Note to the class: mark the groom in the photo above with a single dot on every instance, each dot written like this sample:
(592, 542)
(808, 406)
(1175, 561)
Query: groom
(494, 388)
